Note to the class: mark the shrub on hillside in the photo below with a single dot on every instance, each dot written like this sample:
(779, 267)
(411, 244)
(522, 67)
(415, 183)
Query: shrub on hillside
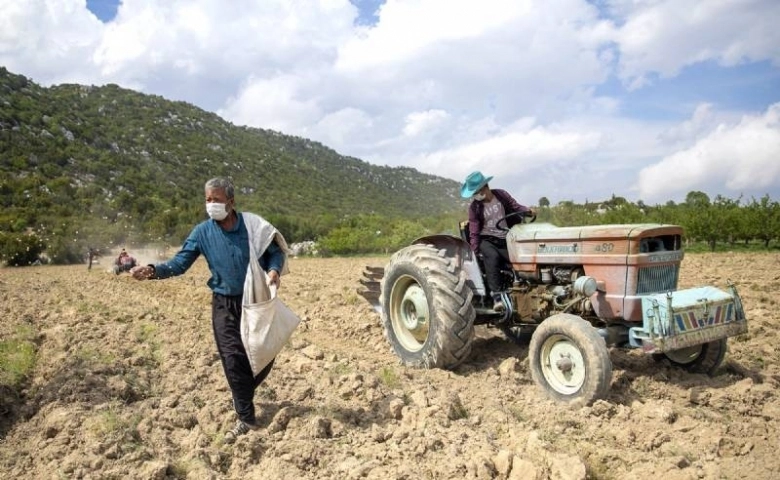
(20, 249)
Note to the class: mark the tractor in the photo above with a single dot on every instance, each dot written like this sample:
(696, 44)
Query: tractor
(571, 293)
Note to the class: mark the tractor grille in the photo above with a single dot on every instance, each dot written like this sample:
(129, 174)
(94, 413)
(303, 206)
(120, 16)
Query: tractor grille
(660, 278)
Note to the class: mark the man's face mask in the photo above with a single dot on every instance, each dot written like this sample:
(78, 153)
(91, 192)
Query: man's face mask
(478, 196)
(217, 211)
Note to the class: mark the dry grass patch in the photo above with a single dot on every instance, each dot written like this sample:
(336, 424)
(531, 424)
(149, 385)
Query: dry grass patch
(17, 356)
(110, 424)
(389, 377)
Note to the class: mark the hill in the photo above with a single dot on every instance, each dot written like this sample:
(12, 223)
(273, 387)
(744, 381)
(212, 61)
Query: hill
(111, 159)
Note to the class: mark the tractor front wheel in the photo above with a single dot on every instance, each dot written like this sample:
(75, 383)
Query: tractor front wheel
(427, 313)
(569, 360)
(704, 358)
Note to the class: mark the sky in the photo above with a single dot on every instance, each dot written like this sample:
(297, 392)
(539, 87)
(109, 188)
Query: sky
(571, 100)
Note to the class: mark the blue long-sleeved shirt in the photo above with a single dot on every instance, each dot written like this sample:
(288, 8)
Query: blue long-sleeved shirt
(226, 252)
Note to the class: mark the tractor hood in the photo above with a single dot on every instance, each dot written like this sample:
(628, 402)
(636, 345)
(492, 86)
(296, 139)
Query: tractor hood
(548, 232)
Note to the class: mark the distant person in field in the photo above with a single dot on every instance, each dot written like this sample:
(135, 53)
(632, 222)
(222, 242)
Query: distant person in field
(487, 207)
(124, 262)
(92, 254)
(224, 241)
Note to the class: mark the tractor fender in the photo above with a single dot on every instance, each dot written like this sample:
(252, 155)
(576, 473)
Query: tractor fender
(460, 250)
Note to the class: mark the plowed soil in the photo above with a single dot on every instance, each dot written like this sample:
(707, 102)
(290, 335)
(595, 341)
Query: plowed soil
(128, 384)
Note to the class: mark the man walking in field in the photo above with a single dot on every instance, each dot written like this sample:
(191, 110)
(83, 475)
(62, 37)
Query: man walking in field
(224, 240)
(92, 254)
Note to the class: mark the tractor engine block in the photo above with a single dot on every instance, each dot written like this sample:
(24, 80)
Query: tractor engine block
(569, 294)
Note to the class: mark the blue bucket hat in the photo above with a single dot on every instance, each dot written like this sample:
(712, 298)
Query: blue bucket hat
(473, 183)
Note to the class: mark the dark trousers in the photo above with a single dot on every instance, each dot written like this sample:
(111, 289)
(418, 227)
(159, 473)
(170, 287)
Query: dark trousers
(226, 321)
(494, 256)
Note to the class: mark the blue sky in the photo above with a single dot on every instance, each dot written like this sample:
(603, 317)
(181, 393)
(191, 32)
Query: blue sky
(567, 99)
(105, 10)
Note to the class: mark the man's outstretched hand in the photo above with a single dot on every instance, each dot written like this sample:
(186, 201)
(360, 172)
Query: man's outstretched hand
(274, 279)
(144, 272)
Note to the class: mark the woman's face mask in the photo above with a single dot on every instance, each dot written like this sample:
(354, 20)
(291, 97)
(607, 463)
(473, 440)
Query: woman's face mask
(478, 196)
(217, 211)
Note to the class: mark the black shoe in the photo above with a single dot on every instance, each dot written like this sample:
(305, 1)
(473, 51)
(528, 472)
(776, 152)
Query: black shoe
(241, 428)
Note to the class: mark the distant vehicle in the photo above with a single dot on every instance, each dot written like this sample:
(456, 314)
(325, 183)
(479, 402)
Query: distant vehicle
(571, 292)
(124, 262)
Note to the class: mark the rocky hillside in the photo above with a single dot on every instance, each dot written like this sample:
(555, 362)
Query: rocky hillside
(108, 155)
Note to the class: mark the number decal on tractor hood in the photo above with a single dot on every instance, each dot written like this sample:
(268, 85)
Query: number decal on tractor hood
(605, 247)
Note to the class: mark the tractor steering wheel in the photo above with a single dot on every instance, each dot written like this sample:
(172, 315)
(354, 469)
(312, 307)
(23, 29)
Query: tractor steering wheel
(522, 215)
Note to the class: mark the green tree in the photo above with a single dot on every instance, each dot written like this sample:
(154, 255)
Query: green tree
(727, 215)
(624, 213)
(18, 249)
(764, 219)
(697, 199)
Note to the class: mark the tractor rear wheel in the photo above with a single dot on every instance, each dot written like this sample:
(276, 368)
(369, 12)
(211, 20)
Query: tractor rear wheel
(570, 360)
(427, 313)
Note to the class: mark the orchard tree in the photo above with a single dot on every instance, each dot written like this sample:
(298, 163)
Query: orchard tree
(699, 219)
(697, 199)
(764, 219)
(567, 213)
(728, 220)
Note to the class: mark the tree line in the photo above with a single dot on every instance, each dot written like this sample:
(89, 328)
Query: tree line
(713, 222)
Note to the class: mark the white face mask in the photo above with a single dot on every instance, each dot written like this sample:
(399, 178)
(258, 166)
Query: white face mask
(217, 211)
(478, 196)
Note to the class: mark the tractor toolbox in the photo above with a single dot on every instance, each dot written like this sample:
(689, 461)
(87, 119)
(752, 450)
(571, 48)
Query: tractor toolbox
(683, 318)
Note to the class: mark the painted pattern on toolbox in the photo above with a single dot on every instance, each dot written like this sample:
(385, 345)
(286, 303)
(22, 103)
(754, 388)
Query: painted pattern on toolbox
(687, 321)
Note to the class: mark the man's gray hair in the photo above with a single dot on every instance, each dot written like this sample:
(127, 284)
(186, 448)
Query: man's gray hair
(220, 183)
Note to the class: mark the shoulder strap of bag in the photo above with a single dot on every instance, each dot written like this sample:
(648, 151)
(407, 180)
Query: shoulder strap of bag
(256, 287)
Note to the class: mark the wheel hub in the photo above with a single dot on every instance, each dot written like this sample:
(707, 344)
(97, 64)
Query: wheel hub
(409, 314)
(563, 365)
(414, 308)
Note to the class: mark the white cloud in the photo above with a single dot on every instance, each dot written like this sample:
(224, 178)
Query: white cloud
(494, 55)
(273, 103)
(409, 29)
(512, 152)
(345, 128)
(421, 122)
(664, 36)
(701, 123)
(743, 158)
(48, 40)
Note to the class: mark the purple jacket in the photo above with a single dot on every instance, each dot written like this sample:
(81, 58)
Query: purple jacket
(476, 209)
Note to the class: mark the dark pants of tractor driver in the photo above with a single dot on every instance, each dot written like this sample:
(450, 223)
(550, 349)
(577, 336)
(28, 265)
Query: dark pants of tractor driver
(226, 320)
(494, 256)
